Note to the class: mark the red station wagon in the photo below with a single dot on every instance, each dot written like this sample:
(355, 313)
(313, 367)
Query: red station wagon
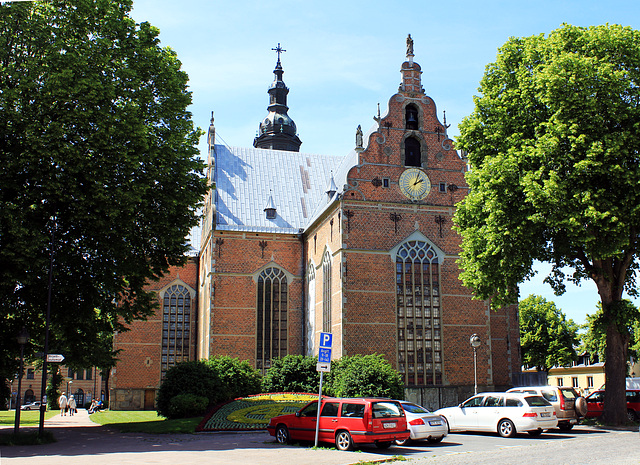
(344, 422)
(595, 404)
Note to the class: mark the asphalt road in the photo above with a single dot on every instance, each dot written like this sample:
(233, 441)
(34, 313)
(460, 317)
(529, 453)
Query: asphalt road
(81, 442)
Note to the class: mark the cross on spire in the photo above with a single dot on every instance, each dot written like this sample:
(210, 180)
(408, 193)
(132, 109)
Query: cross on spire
(278, 50)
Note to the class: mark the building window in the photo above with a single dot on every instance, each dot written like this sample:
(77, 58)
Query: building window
(574, 381)
(88, 374)
(31, 373)
(79, 374)
(560, 382)
(176, 327)
(412, 155)
(590, 381)
(271, 317)
(443, 187)
(326, 293)
(70, 373)
(419, 314)
(385, 182)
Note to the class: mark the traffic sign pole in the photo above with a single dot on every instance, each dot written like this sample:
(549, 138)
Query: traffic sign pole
(324, 364)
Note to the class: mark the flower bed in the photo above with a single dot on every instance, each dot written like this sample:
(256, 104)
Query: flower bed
(253, 412)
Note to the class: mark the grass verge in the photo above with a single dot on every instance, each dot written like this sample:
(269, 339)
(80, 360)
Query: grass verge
(144, 422)
(27, 417)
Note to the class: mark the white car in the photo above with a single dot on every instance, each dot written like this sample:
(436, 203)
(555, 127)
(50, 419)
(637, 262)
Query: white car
(506, 413)
(422, 424)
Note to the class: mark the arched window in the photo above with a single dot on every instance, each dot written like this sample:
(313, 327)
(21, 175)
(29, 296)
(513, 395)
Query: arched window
(272, 328)
(419, 314)
(29, 396)
(176, 327)
(411, 117)
(412, 155)
(326, 293)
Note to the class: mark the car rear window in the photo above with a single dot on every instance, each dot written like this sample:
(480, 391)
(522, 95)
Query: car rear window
(568, 393)
(511, 402)
(551, 396)
(352, 410)
(386, 409)
(537, 401)
(413, 408)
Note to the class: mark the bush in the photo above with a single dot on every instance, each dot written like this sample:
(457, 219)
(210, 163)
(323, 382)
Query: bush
(187, 405)
(292, 373)
(190, 378)
(238, 377)
(364, 376)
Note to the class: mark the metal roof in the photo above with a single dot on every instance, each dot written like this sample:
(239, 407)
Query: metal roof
(245, 178)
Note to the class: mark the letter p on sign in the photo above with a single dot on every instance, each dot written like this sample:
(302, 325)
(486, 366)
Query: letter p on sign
(325, 340)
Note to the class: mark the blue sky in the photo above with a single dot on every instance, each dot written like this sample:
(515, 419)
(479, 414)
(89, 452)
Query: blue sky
(343, 58)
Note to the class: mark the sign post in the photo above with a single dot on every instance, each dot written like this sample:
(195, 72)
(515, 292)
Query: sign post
(324, 365)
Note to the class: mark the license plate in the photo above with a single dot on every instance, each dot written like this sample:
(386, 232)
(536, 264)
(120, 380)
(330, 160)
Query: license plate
(435, 423)
(545, 414)
(389, 425)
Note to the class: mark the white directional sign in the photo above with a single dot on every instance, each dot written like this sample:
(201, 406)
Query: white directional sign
(324, 367)
(55, 358)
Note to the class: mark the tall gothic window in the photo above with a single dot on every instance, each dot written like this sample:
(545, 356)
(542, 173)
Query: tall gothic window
(176, 327)
(419, 314)
(271, 317)
(326, 293)
(412, 156)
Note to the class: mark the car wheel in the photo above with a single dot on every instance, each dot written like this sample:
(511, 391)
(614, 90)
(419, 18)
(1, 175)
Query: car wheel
(535, 433)
(631, 415)
(27, 408)
(581, 406)
(343, 440)
(435, 440)
(506, 428)
(282, 434)
(403, 442)
(383, 444)
(565, 426)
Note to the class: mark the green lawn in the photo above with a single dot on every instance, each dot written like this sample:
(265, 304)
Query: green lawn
(27, 417)
(144, 422)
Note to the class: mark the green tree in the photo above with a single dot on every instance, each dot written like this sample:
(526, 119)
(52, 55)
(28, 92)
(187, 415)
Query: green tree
(547, 338)
(364, 376)
(595, 337)
(99, 169)
(292, 373)
(553, 145)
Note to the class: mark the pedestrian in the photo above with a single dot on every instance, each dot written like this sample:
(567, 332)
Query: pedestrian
(72, 405)
(63, 404)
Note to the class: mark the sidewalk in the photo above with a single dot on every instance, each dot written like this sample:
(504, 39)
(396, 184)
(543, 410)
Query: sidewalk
(81, 418)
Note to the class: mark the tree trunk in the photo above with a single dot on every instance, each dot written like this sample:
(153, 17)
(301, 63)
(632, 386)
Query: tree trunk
(615, 369)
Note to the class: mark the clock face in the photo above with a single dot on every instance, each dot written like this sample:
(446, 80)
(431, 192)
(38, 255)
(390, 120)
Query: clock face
(414, 184)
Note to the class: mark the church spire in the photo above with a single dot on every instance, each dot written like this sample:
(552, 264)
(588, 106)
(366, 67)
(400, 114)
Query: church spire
(278, 131)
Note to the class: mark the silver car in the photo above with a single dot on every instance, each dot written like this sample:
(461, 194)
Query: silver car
(422, 424)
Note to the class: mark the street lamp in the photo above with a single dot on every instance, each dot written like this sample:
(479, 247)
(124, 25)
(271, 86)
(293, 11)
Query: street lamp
(68, 392)
(22, 338)
(475, 342)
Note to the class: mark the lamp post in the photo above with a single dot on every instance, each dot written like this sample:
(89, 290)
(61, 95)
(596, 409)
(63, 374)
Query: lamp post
(68, 392)
(475, 342)
(23, 338)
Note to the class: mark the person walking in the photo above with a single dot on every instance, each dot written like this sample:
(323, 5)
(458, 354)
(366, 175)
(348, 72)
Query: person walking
(72, 405)
(63, 404)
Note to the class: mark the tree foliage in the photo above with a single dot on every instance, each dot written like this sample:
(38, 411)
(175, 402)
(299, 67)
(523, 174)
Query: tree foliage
(554, 149)
(292, 373)
(594, 340)
(364, 376)
(99, 172)
(547, 338)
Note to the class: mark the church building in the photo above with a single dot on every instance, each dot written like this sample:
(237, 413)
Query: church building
(361, 246)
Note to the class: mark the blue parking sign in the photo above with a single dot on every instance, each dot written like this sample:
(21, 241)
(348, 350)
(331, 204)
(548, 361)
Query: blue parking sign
(324, 355)
(325, 340)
